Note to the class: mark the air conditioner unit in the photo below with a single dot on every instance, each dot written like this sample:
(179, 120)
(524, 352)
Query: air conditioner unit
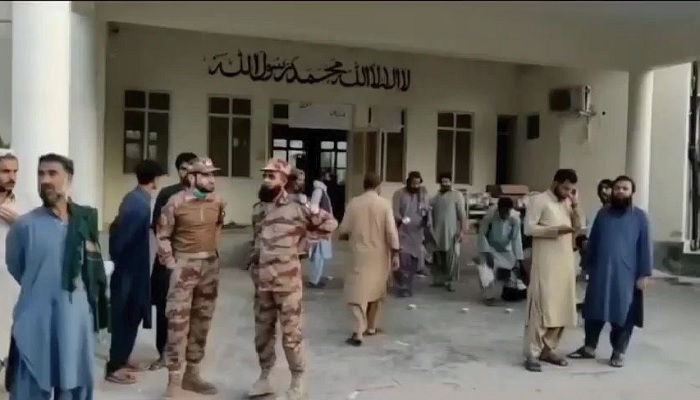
(575, 99)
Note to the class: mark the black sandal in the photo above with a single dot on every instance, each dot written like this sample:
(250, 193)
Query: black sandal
(582, 353)
(354, 341)
(554, 360)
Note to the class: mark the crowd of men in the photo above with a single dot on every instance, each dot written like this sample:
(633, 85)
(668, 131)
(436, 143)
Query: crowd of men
(54, 284)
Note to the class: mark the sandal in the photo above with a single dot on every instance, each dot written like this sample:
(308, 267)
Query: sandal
(373, 332)
(583, 353)
(551, 358)
(121, 377)
(157, 364)
(617, 360)
(135, 367)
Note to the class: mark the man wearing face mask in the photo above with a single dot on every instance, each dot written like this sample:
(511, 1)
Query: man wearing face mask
(551, 219)
(410, 206)
(618, 261)
(281, 225)
(160, 278)
(188, 237)
(129, 285)
(449, 227)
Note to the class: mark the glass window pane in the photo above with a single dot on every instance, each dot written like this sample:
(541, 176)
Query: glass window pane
(464, 121)
(296, 144)
(341, 159)
(133, 154)
(219, 105)
(293, 155)
(218, 143)
(281, 154)
(280, 111)
(341, 145)
(446, 120)
(158, 133)
(327, 145)
(327, 159)
(240, 147)
(463, 152)
(340, 174)
(279, 143)
(134, 99)
(240, 106)
(159, 101)
(395, 152)
(444, 153)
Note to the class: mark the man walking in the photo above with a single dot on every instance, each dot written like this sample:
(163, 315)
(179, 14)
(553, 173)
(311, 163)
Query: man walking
(374, 242)
(320, 250)
(501, 246)
(449, 228)
(276, 274)
(551, 219)
(618, 261)
(129, 284)
(410, 206)
(188, 237)
(160, 277)
(9, 289)
(53, 253)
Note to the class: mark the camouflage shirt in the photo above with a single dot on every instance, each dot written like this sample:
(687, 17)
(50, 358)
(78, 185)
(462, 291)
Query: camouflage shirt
(278, 230)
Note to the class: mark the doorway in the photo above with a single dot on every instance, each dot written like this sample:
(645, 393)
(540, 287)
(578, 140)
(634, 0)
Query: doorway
(315, 151)
(507, 126)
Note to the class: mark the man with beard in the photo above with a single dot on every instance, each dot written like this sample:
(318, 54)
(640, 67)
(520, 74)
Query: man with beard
(449, 227)
(9, 290)
(618, 261)
(276, 274)
(53, 253)
(129, 248)
(604, 191)
(188, 237)
(160, 277)
(551, 219)
(410, 206)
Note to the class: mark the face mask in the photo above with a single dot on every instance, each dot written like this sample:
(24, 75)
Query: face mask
(199, 194)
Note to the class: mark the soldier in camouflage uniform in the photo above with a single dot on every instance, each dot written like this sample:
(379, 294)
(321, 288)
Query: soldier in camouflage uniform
(188, 234)
(281, 223)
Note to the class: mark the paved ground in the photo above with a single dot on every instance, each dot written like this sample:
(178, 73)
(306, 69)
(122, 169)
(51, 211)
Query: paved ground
(438, 352)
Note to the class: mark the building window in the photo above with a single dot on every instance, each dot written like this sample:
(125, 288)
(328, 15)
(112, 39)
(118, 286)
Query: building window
(533, 127)
(229, 135)
(454, 145)
(146, 127)
(392, 153)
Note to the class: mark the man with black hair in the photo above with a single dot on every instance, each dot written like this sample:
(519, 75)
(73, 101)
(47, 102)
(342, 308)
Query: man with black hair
(410, 206)
(551, 219)
(160, 278)
(53, 253)
(618, 260)
(129, 284)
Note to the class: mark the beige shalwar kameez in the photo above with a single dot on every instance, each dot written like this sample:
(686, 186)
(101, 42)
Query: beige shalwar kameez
(369, 223)
(551, 295)
(9, 288)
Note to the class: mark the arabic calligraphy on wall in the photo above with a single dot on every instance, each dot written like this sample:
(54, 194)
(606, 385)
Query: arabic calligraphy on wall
(259, 67)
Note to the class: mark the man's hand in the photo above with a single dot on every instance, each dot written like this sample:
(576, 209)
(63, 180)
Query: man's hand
(565, 229)
(573, 196)
(395, 262)
(642, 283)
(8, 214)
(314, 209)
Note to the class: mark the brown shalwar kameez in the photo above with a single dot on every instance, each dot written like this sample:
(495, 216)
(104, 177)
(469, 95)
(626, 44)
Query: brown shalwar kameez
(369, 222)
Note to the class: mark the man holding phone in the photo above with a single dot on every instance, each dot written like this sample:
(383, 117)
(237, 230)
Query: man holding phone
(552, 219)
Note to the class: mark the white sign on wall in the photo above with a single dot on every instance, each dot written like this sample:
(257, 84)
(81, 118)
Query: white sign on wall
(320, 116)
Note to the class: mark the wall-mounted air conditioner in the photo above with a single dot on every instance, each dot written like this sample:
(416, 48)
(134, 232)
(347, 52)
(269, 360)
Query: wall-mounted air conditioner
(576, 99)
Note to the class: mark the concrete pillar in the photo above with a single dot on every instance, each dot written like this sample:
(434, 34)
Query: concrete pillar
(638, 160)
(40, 87)
(85, 148)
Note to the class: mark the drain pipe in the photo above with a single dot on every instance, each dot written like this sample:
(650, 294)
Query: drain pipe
(694, 159)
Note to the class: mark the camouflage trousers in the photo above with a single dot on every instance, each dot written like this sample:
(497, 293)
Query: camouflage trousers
(194, 287)
(268, 308)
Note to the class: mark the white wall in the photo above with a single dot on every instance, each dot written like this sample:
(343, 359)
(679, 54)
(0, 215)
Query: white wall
(157, 59)
(668, 191)
(595, 152)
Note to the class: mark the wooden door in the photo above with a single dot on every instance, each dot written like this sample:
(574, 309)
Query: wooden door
(364, 158)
